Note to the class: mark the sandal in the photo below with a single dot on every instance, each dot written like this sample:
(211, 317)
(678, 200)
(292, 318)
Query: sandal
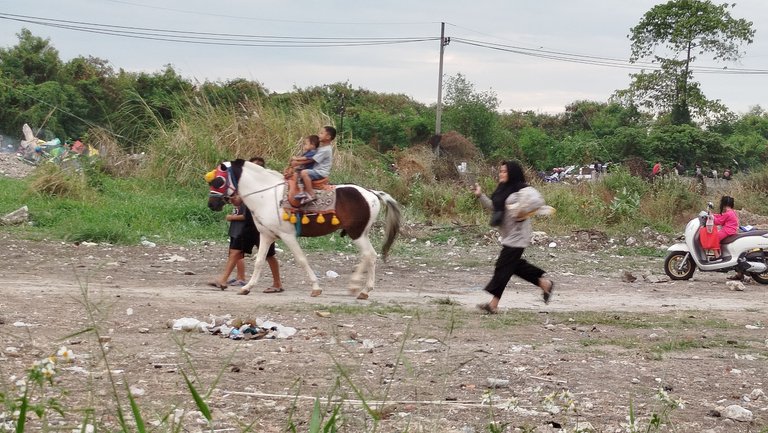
(217, 285)
(307, 201)
(273, 289)
(547, 294)
(487, 308)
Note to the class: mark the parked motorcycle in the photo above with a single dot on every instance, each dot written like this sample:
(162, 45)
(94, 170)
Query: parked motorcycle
(746, 252)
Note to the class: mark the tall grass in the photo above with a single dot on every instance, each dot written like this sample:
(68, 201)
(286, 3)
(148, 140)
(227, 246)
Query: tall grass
(205, 135)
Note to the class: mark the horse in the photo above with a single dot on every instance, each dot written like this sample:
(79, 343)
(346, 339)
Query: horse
(264, 193)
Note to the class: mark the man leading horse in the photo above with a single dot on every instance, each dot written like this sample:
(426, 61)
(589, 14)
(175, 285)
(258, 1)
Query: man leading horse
(351, 208)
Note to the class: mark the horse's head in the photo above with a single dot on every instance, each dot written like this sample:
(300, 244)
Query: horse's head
(223, 183)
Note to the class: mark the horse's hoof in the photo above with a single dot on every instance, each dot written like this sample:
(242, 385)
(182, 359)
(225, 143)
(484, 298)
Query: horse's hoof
(315, 293)
(362, 296)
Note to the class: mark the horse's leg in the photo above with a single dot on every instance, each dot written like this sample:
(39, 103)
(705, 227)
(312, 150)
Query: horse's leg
(301, 259)
(258, 264)
(367, 265)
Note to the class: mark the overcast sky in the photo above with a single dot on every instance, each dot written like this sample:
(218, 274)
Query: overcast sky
(588, 27)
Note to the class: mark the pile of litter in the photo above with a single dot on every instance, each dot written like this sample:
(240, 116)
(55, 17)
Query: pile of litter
(233, 328)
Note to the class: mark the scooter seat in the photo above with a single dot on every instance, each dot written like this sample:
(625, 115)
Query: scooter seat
(732, 238)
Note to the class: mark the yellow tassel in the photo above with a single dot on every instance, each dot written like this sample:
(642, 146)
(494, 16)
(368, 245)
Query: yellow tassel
(210, 176)
(286, 216)
(320, 219)
(305, 219)
(335, 221)
(293, 219)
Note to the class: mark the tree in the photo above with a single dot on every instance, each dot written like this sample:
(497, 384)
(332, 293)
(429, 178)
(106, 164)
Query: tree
(95, 80)
(685, 143)
(471, 113)
(535, 145)
(673, 35)
(32, 61)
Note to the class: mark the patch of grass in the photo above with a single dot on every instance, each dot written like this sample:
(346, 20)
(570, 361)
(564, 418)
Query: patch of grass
(510, 319)
(682, 344)
(444, 301)
(627, 343)
(673, 344)
(373, 308)
(642, 320)
(641, 251)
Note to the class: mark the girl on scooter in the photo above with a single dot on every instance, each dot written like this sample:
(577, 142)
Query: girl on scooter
(728, 220)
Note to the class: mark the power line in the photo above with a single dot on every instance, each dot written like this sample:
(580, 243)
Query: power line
(208, 38)
(250, 40)
(598, 60)
(700, 69)
(272, 20)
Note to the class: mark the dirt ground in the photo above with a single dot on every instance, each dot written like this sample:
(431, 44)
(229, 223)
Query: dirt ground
(416, 357)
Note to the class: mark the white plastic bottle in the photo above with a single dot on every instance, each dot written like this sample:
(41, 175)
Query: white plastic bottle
(710, 223)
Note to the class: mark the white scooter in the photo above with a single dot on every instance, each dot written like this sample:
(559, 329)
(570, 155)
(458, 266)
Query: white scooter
(746, 252)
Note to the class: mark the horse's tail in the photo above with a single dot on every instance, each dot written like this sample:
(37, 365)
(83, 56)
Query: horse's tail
(393, 221)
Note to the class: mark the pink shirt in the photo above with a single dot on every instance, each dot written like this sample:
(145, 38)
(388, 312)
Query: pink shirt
(729, 220)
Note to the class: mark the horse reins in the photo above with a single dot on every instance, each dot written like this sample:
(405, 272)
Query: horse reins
(263, 189)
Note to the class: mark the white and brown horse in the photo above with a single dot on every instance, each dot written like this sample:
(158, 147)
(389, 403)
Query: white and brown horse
(263, 191)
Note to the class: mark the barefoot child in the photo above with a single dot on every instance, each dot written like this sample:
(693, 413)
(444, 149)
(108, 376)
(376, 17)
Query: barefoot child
(323, 160)
(311, 142)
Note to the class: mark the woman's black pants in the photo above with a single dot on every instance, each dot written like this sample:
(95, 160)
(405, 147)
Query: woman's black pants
(510, 262)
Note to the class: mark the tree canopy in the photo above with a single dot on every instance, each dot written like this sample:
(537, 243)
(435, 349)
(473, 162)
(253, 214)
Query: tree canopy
(672, 36)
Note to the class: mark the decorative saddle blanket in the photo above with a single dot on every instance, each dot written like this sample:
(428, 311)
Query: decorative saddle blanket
(325, 202)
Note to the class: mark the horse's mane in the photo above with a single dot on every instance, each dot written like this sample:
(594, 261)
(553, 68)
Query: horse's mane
(252, 166)
(237, 168)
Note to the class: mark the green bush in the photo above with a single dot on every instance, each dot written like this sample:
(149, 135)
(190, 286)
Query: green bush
(576, 207)
(624, 205)
(620, 180)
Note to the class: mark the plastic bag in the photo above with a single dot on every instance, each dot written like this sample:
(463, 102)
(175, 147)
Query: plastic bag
(709, 241)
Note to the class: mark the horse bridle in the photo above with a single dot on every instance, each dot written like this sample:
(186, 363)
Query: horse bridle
(232, 189)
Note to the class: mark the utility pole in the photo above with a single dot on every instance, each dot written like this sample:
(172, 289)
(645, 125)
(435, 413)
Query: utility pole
(439, 111)
(342, 110)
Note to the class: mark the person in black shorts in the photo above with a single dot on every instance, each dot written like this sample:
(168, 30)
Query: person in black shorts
(243, 236)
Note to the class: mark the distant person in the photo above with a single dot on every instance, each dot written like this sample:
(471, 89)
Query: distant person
(728, 173)
(515, 229)
(596, 170)
(656, 169)
(679, 168)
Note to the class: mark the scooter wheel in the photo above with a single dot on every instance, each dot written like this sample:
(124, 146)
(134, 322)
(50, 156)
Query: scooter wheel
(760, 278)
(677, 267)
